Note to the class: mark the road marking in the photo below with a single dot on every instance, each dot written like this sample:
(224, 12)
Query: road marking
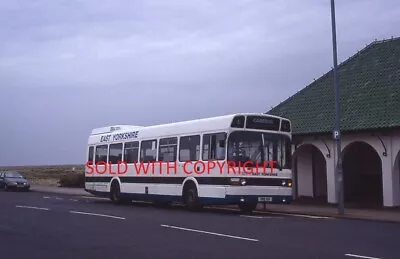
(144, 202)
(298, 215)
(46, 197)
(218, 208)
(73, 200)
(30, 207)
(264, 217)
(277, 213)
(57, 198)
(94, 198)
(308, 216)
(94, 214)
(248, 216)
(362, 256)
(210, 233)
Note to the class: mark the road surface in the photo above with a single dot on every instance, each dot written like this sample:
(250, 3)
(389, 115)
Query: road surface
(42, 225)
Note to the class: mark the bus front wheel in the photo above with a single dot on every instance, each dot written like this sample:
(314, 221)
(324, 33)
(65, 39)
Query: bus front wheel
(248, 207)
(191, 198)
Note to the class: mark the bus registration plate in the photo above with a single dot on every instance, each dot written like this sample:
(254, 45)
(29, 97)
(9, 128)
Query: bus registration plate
(264, 199)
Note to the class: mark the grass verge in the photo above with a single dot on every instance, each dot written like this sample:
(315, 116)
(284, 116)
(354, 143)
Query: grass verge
(52, 175)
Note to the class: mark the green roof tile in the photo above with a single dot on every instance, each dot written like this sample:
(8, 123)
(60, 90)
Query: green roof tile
(369, 85)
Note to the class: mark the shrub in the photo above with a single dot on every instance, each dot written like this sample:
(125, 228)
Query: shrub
(72, 180)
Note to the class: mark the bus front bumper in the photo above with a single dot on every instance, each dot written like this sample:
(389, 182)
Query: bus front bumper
(243, 194)
(262, 194)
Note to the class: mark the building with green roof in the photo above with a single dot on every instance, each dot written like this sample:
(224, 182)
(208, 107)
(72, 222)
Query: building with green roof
(369, 84)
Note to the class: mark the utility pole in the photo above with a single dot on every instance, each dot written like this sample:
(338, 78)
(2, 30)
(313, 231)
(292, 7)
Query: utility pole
(336, 132)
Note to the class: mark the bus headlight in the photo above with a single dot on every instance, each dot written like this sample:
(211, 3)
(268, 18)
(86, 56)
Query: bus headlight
(243, 182)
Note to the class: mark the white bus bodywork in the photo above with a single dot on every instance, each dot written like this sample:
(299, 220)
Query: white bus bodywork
(220, 185)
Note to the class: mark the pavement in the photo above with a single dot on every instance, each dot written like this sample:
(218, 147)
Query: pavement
(386, 215)
(44, 224)
(60, 190)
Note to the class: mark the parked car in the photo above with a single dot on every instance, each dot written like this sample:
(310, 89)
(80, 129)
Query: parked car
(11, 180)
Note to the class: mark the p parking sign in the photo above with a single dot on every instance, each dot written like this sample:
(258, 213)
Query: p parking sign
(336, 134)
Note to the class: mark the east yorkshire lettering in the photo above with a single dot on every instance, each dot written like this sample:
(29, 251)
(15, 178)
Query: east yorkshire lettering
(119, 136)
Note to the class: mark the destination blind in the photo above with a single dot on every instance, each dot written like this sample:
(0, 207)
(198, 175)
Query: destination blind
(262, 123)
(119, 136)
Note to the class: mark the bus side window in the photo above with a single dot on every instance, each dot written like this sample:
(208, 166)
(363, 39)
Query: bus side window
(189, 148)
(168, 149)
(90, 156)
(115, 153)
(101, 154)
(214, 147)
(148, 151)
(131, 152)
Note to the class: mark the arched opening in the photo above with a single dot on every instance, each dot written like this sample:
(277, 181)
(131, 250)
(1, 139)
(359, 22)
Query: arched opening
(396, 175)
(362, 175)
(310, 174)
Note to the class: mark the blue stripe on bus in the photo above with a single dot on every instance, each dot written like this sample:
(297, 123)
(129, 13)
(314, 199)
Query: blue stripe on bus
(250, 181)
(229, 199)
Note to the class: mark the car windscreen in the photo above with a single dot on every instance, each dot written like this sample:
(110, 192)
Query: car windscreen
(12, 175)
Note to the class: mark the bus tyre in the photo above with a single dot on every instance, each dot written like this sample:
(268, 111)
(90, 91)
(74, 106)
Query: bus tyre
(191, 198)
(248, 207)
(115, 193)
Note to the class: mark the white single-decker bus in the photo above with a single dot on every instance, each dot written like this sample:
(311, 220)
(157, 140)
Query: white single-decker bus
(239, 159)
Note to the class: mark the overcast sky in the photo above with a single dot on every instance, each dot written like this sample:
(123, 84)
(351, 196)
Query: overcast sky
(68, 66)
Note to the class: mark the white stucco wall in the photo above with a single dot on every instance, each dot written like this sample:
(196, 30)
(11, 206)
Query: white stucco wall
(395, 151)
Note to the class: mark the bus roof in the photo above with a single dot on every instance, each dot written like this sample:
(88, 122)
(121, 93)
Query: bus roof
(178, 128)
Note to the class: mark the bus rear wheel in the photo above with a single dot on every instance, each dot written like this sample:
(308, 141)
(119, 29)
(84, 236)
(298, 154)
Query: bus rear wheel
(115, 193)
